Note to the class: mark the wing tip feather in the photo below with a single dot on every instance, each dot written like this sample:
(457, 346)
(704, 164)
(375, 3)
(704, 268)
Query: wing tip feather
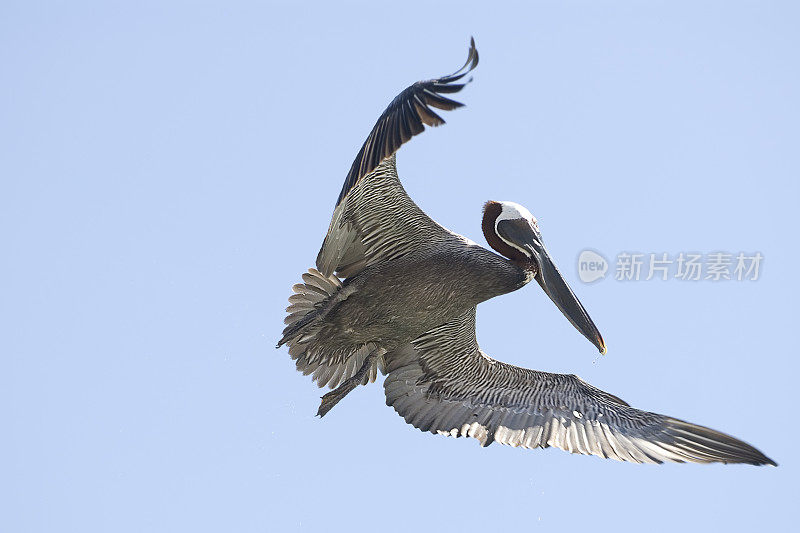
(397, 115)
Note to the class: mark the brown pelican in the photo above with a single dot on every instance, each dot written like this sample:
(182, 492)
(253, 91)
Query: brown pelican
(406, 306)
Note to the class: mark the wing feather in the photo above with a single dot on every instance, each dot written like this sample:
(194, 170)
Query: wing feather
(443, 383)
(374, 219)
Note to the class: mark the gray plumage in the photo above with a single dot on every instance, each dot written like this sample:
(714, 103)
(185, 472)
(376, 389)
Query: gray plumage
(443, 383)
(406, 306)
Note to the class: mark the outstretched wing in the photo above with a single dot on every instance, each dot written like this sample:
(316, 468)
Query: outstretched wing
(443, 383)
(374, 218)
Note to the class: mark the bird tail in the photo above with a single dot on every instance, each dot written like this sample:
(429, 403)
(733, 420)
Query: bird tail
(308, 302)
(309, 344)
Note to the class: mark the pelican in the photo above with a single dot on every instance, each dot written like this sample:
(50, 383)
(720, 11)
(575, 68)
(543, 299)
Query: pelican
(395, 292)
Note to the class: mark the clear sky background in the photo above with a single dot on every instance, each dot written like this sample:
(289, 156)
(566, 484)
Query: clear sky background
(168, 171)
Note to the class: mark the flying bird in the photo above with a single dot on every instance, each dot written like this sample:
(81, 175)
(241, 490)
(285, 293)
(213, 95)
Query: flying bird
(395, 292)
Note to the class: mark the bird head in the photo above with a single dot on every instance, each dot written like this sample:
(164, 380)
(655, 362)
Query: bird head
(513, 231)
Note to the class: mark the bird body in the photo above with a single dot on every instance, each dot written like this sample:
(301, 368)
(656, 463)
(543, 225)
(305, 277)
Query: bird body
(390, 303)
(395, 292)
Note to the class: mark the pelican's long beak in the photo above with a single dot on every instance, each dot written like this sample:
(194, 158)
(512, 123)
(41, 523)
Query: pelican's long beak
(524, 235)
(555, 286)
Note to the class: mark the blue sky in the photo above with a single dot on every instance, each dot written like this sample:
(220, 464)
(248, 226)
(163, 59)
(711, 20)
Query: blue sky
(169, 170)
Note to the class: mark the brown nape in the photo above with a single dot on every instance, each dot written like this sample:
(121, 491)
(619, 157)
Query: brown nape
(492, 210)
